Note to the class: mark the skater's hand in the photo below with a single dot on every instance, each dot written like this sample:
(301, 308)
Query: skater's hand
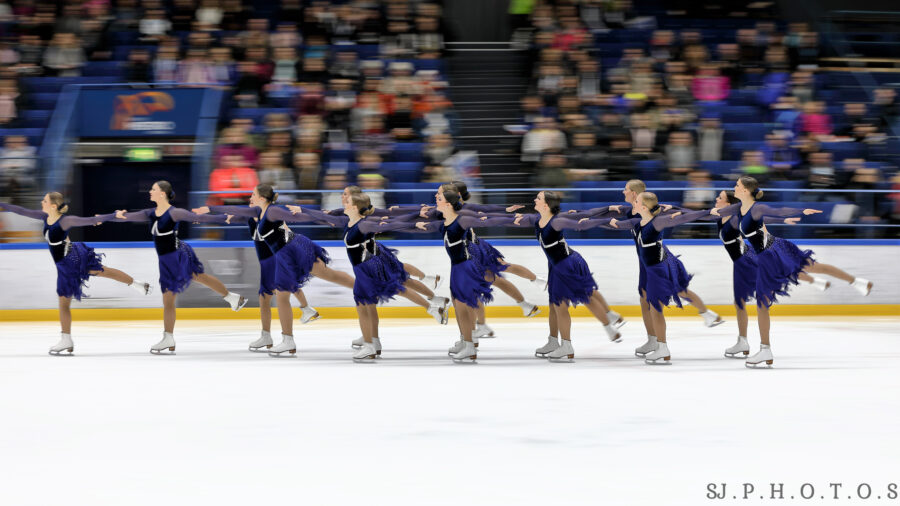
(616, 208)
(295, 209)
(572, 211)
(483, 218)
(393, 207)
(514, 207)
(201, 210)
(807, 212)
(421, 225)
(714, 211)
(614, 223)
(791, 221)
(665, 207)
(675, 214)
(120, 214)
(228, 218)
(424, 211)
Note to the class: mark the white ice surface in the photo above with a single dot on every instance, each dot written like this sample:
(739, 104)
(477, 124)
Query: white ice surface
(216, 424)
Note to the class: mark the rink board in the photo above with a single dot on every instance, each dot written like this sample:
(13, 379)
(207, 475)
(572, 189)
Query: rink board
(29, 279)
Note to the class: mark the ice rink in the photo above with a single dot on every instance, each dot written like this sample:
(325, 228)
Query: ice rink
(216, 424)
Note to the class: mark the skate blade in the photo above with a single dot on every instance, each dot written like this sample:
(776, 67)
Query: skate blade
(356, 346)
(762, 365)
(261, 349)
(438, 281)
(365, 360)
(542, 355)
(567, 358)
(616, 339)
(466, 360)
(283, 354)
(241, 303)
(534, 312)
(164, 351)
(659, 361)
(641, 355)
(620, 323)
(740, 354)
(716, 323)
(62, 353)
(311, 318)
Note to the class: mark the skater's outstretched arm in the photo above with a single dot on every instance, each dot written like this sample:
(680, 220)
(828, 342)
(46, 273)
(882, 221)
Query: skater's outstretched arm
(731, 210)
(179, 214)
(491, 208)
(618, 211)
(565, 223)
(21, 211)
(320, 217)
(245, 211)
(761, 210)
(277, 213)
(67, 222)
(135, 216)
(671, 220)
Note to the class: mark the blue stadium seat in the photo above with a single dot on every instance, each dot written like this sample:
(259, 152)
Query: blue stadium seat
(408, 152)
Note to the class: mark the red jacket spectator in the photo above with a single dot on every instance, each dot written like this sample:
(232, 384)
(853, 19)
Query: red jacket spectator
(233, 176)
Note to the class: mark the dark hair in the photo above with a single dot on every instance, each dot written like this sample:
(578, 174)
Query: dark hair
(553, 200)
(462, 188)
(729, 196)
(752, 185)
(362, 203)
(267, 192)
(166, 187)
(451, 195)
(57, 198)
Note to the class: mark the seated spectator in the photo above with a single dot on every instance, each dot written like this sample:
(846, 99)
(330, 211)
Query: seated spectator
(428, 41)
(552, 171)
(887, 108)
(248, 91)
(165, 66)
(779, 155)
(64, 57)
(287, 66)
(234, 142)
(335, 181)
(399, 121)
(754, 164)
(681, 155)
(277, 122)
(18, 162)
(710, 138)
(620, 160)
(814, 120)
(282, 143)
(273, 171)
(695, 196)
(234, 177)
(644, 136)
(371, 183)
(438, 149)
(139, 68)
(853, 114)
(709, 86)
(545, 136)
(864, 178)
(286, 35)
(10, 102)
(223, 66)
(307, 169)
(585, 156)
(339, 102)
(368, 162)
(345, 65)
(154, 26)
(196, 68)
(821, 174)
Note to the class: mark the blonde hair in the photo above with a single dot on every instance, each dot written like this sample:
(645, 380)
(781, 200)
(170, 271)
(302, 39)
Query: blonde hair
(57, 199)
(353, 189)
(651, 202)
(636, 185)
(362, 203)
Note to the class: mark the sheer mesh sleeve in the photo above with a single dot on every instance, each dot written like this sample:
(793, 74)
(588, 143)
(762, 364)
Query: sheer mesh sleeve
(668, 221)
(245, 211)
(482, 221)
(759, 211)
(21, 211)
(325, 218)
(730, 210)
(565, 223)
(486, 208)
(67, 222)
(138, 216)
(179, 214)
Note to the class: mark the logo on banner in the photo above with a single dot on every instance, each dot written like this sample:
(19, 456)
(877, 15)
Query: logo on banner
(133, 112)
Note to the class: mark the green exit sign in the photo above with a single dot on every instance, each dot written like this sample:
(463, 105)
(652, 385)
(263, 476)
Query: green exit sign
(143, 154)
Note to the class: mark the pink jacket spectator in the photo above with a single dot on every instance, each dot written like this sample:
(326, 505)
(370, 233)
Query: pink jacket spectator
(248, 152)
(710, 87)
(816, 124)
